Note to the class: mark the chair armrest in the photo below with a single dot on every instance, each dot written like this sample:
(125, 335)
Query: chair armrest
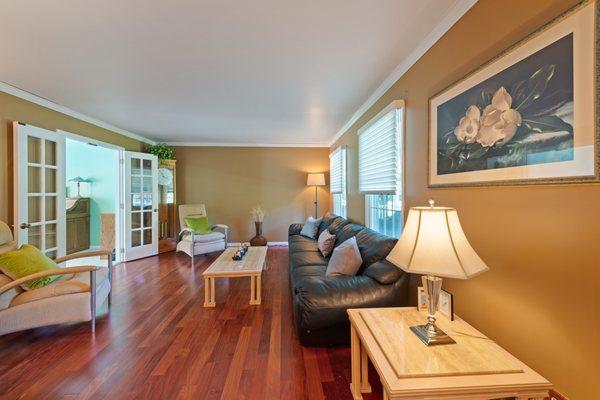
(96, 253)
(295, 229)
(224, 229)
(184, 232)
(51, 272)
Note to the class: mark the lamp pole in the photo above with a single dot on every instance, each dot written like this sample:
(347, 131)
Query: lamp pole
(316, 202)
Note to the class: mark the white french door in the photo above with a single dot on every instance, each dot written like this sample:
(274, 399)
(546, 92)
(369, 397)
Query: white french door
(40, 218)
(141, 205)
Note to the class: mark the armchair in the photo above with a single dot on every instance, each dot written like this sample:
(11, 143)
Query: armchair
(193, 244)
(72, 298)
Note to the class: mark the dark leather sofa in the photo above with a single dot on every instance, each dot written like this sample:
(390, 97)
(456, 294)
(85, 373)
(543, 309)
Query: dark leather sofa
(320, 303)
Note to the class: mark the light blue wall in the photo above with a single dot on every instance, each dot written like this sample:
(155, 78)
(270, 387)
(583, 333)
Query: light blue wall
(100, 165)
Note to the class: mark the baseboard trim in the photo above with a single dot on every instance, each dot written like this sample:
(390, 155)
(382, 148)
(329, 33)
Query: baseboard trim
(238, 244)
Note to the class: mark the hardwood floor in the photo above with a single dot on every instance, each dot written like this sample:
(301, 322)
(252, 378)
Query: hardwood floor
(158, 342)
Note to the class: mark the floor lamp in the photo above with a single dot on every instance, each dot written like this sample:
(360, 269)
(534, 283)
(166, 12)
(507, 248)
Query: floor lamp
(315, 180)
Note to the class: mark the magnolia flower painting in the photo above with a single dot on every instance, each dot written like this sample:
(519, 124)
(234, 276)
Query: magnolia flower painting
(520, 116)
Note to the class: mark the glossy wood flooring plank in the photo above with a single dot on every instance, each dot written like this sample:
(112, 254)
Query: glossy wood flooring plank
(159, 342)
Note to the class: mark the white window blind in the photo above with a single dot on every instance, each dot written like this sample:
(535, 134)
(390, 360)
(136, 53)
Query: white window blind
(378, 154)
(336, 170)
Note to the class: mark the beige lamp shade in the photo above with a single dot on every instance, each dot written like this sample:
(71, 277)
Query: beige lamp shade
(316, 179)
(433, 243)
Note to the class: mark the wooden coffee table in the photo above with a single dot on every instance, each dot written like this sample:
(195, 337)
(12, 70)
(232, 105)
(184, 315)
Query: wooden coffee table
(225, 267)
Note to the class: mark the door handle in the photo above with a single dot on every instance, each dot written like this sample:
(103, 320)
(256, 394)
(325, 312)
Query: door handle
(24, 225)
(155, 210)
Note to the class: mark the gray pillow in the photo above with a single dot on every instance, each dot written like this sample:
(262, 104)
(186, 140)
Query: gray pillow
(310, 228)
(345, 260)
(325, 243)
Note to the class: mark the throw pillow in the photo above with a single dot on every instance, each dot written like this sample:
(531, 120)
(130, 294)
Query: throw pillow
(325, 243)
(199, 224)
(310, 228)
(25, 261)
(345, 260)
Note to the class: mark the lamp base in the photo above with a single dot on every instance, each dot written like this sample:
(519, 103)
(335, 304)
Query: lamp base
(429, 339)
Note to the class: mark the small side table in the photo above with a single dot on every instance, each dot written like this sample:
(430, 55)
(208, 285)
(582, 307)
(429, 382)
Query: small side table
(473, 368)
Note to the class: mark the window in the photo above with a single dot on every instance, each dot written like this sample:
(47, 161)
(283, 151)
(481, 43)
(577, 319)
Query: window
(337, 170)
(380, 165)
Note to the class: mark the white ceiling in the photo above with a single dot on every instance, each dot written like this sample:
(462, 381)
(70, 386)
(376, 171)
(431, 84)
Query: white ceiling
(217, 72)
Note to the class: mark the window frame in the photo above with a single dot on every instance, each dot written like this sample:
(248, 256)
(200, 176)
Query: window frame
(400, 107)
(344, 192)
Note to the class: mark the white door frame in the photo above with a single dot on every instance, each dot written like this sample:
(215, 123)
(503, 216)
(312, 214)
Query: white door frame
(119, 199)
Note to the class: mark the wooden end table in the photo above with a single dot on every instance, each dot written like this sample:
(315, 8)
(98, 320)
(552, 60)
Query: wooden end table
(225, 267)
(475, 367)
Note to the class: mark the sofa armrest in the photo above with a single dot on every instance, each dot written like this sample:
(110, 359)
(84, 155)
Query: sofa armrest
(323, 301)
(295, 229)
(383, 272)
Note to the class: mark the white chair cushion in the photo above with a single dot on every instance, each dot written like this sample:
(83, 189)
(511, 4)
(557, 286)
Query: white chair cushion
(207, 238)
(69, 284)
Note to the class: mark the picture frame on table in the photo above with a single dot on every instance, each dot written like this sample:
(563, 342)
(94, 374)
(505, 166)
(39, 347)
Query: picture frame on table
(422, 299)
(526, 117)
(446, 305)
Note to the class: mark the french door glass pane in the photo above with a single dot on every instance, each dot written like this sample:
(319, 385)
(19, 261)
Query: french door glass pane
(147, 201)
(34, 236)
(50, 180)
(50, 153)
(135, 166)
(148, 219)
(50, 236)
(148, 236)
(51, 254)
(136, 220)
(147, 167)
(136, 238)
(34, 179)
(51, 208)
(34, 150)
(34, 209)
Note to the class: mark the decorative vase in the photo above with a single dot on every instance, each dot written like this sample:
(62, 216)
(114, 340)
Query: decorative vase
(259, 239)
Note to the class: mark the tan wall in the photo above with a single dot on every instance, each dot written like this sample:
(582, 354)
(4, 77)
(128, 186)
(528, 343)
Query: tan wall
(15, 109)
(230, 181)
(540, 299)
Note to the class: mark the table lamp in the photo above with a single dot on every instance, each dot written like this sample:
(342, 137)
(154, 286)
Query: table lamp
(315, 180)
(434, 245)
(79, 181)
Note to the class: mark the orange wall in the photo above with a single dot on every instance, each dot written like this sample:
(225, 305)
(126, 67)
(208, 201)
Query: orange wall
(541, 297)
(232, 180)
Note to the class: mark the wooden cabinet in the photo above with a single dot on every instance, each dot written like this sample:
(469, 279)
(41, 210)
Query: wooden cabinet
(167, 205)
(78, 224)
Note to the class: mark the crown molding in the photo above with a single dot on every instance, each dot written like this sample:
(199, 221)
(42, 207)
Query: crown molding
(25, 95)
(455, 13)
(226, 144)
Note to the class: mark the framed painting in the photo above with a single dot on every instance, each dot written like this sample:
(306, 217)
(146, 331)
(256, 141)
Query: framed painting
(526, 117)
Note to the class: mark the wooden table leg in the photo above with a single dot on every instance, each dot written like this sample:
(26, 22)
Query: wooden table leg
(355, 354)
(365, 387)
(385, 395)
(255, 289)
(209, 292)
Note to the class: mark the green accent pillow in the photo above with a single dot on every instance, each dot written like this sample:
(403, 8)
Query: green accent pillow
(25, 261)
(199, 225)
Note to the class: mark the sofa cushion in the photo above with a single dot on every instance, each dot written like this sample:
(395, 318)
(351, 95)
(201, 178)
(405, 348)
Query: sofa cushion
(325, 243)
(373, 246)
(306, 258)
(345, 259)
(337, 224)
(383, 272)
(303, 245)
(69, 284)
(27, 260)
(311, 227)
(206, 238)
(346, 232)
(306, 271)
(326, 221)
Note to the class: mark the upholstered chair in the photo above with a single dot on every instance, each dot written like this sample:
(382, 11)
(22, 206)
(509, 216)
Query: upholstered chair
(74, 297)
(193, 244)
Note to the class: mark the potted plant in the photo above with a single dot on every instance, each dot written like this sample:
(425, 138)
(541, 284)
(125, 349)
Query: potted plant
(162, 151)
